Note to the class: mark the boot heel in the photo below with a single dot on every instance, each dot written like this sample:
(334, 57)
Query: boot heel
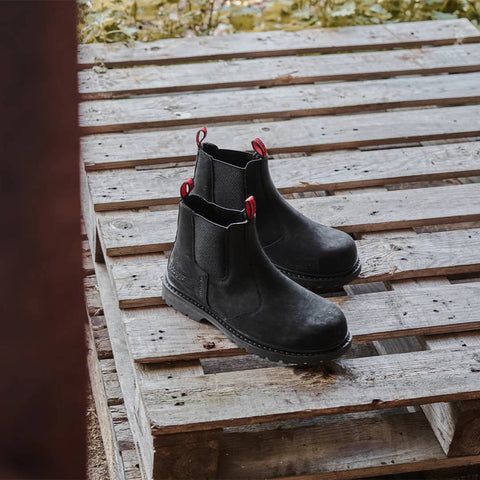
(180, 304)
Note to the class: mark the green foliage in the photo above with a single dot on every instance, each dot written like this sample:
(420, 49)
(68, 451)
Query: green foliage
(146, 20)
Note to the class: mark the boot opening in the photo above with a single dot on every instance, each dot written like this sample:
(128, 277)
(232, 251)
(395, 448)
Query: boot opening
(232, 157)
(212, 212)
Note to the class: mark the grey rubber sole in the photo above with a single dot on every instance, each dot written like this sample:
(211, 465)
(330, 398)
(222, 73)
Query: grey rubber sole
(327, 281)
(183, 304)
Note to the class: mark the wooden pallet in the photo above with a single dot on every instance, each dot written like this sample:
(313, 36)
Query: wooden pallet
(120, 449)
(198, 407)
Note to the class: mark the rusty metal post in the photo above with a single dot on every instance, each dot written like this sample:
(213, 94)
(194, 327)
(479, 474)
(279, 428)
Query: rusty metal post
(42, 352)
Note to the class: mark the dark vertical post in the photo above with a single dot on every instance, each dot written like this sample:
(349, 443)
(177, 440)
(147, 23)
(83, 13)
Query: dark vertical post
(42, 354)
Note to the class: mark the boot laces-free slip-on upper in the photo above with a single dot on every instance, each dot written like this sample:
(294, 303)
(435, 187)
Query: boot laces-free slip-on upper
(310, 253)
(218, 271)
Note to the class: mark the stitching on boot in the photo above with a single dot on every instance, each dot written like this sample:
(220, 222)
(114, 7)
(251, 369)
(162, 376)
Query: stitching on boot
(246, 339)
(313, 277)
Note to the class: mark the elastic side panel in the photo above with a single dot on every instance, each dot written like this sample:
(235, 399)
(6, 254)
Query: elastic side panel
(209, 247)
(228, 186)
(203, 176)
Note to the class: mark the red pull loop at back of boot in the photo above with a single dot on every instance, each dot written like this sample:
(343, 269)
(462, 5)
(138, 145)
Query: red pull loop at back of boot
(186, 188)
(259, 147)
(201, 135)
(250, 207)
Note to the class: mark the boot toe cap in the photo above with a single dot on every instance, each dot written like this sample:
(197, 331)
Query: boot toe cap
(338, 254)
(319, 330)
(328, 330)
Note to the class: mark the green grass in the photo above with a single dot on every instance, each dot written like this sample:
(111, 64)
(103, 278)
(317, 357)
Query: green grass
(147, 20)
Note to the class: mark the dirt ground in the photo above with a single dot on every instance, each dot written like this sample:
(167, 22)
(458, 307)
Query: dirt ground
(96, 461)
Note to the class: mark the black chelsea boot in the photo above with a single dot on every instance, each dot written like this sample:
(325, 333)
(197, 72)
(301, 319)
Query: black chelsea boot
(218, 271)
(311, 254)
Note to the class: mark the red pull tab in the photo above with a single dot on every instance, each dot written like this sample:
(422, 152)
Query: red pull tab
(250, 207)
(201, 134)
(186, 188)
(259, 147)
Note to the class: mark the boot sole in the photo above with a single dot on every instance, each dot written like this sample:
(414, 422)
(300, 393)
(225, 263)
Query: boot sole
(328, 281)
(189, 307)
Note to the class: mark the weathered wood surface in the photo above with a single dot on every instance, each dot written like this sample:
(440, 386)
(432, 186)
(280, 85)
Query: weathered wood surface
(92, 296)
(378, 445)
(322, 40)
(110, 444)
(399, 256)
(282, 102)
(302, 134)
(455, 424)
(144, 232)
(121, 189)
(137, 278)
(359, 384)
(161, 334)
(285, 70)
(122, 363)
(121, 456)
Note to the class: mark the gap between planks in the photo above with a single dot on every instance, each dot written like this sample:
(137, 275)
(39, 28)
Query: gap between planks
(137, 278)
(277, 71)
(122, 189)
(161, 334)
(281, 102)
(307, 134)
(322, 40)
(137, 232)
(359, 384)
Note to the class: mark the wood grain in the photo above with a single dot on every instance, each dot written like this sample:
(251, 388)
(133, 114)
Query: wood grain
(273, 43)
(307, 134)
(456, 425)
(162, 334)
(359, 384)
(121, 189)
(375, 445)
(285, 70)
(399, 256)
(137, 278)
(134, 232)
(281, 102)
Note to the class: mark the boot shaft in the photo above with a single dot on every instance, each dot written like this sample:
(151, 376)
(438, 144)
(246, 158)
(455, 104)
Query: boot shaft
(226, 177)
(215, 250)
(220, 176)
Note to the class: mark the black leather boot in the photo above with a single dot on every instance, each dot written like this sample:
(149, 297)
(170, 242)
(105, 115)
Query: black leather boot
(218, 271)
(311, 254)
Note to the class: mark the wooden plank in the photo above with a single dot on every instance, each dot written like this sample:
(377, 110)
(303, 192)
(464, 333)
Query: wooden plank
(128, 374)
(374, 445)
(111, 447)
(137, 278)
(456, 425)
(92, 296)
(145, 232)
(302, 134)
(359, 384)
(121, 189)
(281, 102)
(162, 334)
(408, 255)
(277, 71)
(260, 44)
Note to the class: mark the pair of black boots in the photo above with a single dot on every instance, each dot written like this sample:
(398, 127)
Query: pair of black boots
(243, 264)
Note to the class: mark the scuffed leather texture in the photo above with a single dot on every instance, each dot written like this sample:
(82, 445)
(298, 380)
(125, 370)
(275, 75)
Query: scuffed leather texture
(253, 297)
(293, 242)
(183, 272)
